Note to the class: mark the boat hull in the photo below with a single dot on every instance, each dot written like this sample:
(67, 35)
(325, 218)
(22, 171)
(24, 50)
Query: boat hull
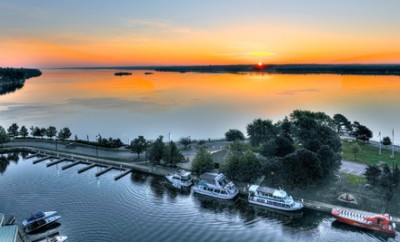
(298, 206)
(36, 226)
(213, 194)
(362, 224)
(28, 221)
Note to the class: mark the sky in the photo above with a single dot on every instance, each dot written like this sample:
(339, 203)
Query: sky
(48, 33)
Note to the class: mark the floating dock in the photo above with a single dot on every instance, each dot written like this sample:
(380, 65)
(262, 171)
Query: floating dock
(31, 156)
(42, 159)
(86, 168)
(56, 162)
(104, 171)
(117, 177)
(71, 165)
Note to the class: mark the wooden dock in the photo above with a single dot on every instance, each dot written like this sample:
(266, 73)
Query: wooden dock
(86, 168)
(31, 156)
(117, 177)
(42, 159)
(104, 171)
(56, 162)
(71, 165)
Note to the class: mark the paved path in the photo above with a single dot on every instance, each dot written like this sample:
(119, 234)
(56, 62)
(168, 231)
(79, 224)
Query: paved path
(353, 168)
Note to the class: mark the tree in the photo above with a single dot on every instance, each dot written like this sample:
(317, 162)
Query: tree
(373, 173)
(361, 132)
(185, 141)
(279, 146)
(13, 130)
(64, 134)
(156, 150)
(234, 134)
(260, 131)
(35, 131)
(302, 167)
(171, 154)
(355, 149)
(341, 123)
(386, 141)
(203, 161)
(51, 131)
(246, 168)
(23, 132)
(139, 145)
(4, 138)
(319, 117)
(396, 175)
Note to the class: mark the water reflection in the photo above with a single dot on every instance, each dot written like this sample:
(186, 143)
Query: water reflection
(6, 88)
(5, 160)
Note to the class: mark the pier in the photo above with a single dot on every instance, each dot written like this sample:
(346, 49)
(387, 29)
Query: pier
(86, 168)
(104, 171)
(117, 177)
(42, 159)
(31, 156)
(71, 165)
(56, 162)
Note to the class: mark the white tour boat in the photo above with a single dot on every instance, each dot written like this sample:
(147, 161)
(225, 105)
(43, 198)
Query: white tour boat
(182, 179)
(216, 185)
(273, 198)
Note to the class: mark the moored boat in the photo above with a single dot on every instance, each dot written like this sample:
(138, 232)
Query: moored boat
(40, 224)
(181, 179)
(377, 222)
(273, 198)
(216, 185)
(57, 238)
(38, 216)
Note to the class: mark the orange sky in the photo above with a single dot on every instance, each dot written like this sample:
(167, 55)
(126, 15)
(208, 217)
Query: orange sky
(185, 34)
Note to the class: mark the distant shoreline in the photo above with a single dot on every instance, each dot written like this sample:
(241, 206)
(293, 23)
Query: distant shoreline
(341, 69)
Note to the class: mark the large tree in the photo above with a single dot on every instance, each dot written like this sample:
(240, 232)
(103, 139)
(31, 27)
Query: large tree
(51, 131)
(361, 132)
(4, 138)
(279, 147)
(203, 161)
(302, 167)
(139, 145)
(341, 123)
(156, 150)
(260, 131)
(23, 131)
(246, 168)
(64, 134)
(320, 117)
(185, 141)
(35, 131)
(373, 173)
(171, 154)
(13, 130)
(233, 135)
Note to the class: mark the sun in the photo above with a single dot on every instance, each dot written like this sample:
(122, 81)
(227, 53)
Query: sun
(260, 63)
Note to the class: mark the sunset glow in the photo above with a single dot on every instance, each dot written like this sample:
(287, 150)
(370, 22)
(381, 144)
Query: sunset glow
(179, 33)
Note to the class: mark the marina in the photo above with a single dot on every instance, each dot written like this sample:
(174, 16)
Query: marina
(141, 184)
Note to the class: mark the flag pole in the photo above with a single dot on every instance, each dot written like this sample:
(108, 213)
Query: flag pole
(380, 143)
(393, 144)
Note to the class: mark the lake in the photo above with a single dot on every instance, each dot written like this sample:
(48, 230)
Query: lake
(145, 208)
(199, 105)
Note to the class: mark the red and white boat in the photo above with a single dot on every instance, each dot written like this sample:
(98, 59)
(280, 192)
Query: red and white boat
(377, 222)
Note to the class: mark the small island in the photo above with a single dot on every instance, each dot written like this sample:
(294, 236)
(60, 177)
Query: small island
(12, 79)
(122, 73)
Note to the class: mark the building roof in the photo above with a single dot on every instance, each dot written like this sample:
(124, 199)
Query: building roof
(9, 233)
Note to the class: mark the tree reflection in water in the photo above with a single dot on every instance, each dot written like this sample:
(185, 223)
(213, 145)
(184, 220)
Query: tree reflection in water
(5, 160)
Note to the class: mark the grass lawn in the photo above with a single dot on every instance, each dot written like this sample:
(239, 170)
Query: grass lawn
(369, 154)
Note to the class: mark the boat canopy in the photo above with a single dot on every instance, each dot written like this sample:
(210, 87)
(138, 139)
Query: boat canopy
(280, 193)
(208, 177)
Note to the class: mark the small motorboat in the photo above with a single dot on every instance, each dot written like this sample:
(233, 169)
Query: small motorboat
(181, 179)
(38, 216)
(377, 222)
(57, 238)
(40, 224)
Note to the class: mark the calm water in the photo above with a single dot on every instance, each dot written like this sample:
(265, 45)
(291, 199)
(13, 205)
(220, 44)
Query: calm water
(145, 208)
(193, 104)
